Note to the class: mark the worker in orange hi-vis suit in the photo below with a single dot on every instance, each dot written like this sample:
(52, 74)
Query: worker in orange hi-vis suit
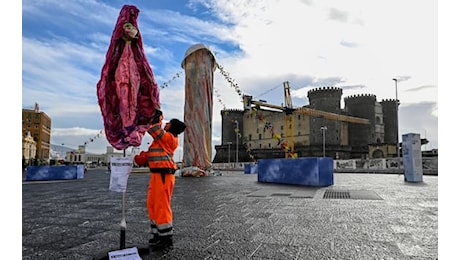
(162, 179)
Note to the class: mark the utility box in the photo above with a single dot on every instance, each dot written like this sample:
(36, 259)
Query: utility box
(412, 158)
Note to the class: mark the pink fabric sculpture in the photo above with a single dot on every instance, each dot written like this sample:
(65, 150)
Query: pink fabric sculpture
(127, 92)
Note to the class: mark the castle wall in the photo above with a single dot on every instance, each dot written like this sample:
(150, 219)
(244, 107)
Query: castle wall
(390, 120)
(362, 106)
(325, 99)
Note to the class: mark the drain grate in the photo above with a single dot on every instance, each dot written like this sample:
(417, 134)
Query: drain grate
(335, 194)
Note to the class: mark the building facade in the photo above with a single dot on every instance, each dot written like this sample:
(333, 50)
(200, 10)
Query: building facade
(81, 157)
(29, 149)
(38, 124)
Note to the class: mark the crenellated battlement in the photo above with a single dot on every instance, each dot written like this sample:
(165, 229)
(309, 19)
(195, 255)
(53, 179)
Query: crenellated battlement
(326, 99)
(388, 100)
(361, 97)
(329, 90)
(235, 110)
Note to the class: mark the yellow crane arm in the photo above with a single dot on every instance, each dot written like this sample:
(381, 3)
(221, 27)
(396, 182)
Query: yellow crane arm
(331, 116)
(316, 113)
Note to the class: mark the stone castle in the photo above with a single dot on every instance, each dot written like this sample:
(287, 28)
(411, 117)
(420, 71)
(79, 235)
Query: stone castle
(266, 133)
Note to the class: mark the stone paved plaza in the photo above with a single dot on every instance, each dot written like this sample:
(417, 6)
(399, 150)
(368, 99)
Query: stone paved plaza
(233, 216)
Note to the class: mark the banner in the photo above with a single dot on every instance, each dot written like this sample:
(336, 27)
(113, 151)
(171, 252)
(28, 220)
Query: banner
(120, 168)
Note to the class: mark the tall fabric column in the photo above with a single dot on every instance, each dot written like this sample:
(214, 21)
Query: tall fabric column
(199, 66)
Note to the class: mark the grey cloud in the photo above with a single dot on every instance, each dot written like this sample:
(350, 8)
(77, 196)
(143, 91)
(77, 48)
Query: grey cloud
(421, 88)
(349, 44)
(348, 87)
(338, 15)
(402, 78)
(420, 118)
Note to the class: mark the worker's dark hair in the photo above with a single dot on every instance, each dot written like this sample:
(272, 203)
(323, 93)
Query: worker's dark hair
(177, 127)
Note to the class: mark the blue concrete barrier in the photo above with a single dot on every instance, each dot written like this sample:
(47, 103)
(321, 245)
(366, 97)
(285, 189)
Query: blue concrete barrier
(307, 171)
(250, 168)
(61, 172)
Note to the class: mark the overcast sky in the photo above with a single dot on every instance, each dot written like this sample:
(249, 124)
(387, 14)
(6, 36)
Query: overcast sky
(356, 45)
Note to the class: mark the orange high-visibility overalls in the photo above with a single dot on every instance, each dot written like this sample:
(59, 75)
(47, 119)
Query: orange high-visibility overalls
(162, 179)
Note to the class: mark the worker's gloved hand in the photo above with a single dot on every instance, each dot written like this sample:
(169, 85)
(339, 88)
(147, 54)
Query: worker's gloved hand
(158, 116)
(142, 158)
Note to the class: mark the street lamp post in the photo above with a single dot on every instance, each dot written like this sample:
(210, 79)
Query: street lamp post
(397, 121)
(323, 130)
(229, 143)
(237, 134)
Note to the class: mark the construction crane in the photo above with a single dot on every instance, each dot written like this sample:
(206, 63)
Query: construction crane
(289, 121)
(288, 109)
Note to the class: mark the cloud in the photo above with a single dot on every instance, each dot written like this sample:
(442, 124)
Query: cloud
(402, 78)
(420, 118)
(348, 87)
(422, 88)
(338, 15)
(349, 44)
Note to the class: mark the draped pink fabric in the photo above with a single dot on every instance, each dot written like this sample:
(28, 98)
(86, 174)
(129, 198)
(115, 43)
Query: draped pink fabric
(199, 69)
(127, 92)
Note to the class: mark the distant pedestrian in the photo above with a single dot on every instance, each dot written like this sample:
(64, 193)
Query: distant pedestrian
(160, 158)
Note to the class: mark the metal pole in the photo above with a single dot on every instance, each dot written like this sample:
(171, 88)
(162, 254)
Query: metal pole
(324, 143)
(323, 129)
(237, 134)
(229, 143)
(397, 123)
(123, 219)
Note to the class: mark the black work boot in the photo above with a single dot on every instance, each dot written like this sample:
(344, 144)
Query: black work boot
(154, 240)
(163, 242)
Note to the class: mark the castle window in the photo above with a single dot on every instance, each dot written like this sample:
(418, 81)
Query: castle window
(269, 145)
(282, 126)
(260, 136)
(250, 137)
(260, 145)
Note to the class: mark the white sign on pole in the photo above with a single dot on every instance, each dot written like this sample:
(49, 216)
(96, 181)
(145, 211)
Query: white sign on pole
(125, 254)
(120, 168)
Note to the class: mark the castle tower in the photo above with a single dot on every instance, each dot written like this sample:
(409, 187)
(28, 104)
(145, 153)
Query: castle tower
(230, 131)
(390, 120)
(229, 127)
(363, 106)
(325, 99)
